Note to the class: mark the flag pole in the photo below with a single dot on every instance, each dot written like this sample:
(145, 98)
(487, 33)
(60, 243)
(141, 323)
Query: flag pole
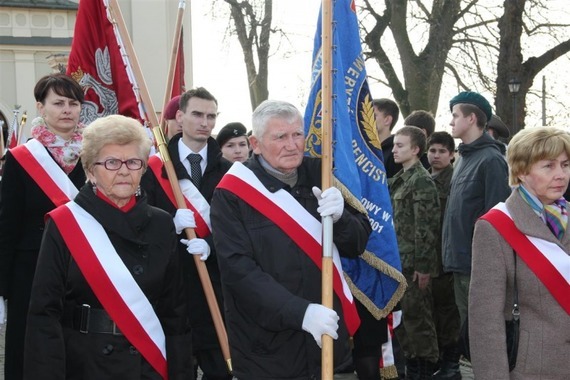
(12, 128)
(327, 364)
(173, 59)
(21, 128)
(162, 147)
(1, 142)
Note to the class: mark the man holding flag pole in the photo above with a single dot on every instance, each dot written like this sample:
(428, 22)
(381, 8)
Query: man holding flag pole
(266, 227)
(375, 277)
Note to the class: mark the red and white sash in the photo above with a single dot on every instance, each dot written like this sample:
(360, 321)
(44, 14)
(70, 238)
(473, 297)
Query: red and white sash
(549, 262)
(292, 218)
(195, 201)
(387, 360)
(112, 283)
(51, 178)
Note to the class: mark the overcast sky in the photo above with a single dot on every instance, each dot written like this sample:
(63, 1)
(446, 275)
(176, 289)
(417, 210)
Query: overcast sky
(219, 66)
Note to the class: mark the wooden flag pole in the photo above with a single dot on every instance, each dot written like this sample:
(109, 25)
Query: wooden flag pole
(161, 142)
(327, 364)
(173, 60)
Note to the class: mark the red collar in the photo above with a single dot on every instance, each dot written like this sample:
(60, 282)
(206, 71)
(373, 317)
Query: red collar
(126, 208)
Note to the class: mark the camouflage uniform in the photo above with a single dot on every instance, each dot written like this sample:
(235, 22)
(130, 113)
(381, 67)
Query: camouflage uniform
(446, 315)
(417, 222)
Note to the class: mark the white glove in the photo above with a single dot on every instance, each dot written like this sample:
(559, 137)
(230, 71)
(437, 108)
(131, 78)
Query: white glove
(184, 218)
(330, 202)
(197, 247)
(2, 311)
(319, 320)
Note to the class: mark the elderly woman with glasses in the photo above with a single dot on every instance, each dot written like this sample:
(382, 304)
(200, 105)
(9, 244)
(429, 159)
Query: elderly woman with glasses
(107, 300)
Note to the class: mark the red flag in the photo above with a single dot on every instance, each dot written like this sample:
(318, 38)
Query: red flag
(98, 65)
(13, 131)
(13, 139)
(178, 85)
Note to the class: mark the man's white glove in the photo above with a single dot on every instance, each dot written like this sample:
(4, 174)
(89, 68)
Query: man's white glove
(331, 202)
(319, 320)
(197, 247)
(2, 311)
(184, 218)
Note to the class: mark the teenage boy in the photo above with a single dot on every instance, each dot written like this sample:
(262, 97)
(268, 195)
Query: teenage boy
(417, 222)
(440, 154)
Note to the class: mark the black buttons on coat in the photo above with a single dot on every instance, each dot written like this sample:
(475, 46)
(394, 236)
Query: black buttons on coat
(108, 349)
(138, 269)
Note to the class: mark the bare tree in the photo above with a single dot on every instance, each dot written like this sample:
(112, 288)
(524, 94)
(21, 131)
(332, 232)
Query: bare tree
(252, 22)
(510, 61)
(477, 43)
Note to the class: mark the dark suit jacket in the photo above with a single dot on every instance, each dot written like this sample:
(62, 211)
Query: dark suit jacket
(203, 335)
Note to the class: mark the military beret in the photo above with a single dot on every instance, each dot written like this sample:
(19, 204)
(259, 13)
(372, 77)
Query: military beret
(474, 98)
(498, 125)
(229, 131)
(171, 108)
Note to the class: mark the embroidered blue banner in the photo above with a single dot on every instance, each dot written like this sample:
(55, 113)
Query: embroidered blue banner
(375, 277)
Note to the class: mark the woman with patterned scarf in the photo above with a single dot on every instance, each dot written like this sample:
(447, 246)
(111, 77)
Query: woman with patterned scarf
(524, 242)
(39, 175)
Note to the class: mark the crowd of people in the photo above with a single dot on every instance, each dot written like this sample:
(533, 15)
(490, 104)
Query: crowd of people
(101, 266)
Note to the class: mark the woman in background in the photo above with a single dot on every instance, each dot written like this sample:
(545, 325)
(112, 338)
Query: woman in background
(539, 171)
(233, 142)
(38, 176)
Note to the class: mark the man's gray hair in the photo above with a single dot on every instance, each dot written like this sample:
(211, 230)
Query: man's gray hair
(270, 109)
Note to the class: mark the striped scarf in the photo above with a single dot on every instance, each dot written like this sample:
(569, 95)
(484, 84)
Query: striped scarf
(554, 215)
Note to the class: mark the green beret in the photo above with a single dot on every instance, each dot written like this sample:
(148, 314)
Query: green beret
(474, 98)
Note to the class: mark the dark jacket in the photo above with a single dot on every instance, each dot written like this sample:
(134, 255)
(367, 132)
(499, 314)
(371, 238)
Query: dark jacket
(442, 182)
(391, 167)
(268, 281)
(145, 240)
(203, 331)
(22, 210)
(480, 181)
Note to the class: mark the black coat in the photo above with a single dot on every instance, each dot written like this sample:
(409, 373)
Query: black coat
(22, 210)
(268, 281)
(203, 331)
(145, 240)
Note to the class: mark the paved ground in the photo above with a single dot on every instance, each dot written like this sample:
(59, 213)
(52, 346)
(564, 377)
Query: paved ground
(466, 372)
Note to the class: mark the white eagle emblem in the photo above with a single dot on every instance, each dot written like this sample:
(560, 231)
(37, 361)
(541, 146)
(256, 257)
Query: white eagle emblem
(107, 97)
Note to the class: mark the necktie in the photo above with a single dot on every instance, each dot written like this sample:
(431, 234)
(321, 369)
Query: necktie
(195, 169)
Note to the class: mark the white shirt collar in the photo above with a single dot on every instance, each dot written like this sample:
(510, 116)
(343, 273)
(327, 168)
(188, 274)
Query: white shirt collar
(184, 151)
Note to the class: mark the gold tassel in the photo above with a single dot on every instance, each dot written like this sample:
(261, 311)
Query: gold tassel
(389, 372)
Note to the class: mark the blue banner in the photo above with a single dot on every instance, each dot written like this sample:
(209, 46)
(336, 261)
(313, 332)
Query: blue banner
(375, 277)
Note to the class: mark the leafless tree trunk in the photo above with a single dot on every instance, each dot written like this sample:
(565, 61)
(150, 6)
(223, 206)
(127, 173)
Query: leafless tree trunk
(252, 23)
(478, 43)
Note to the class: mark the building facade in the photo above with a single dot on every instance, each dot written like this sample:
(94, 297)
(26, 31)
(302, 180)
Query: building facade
(35, 40)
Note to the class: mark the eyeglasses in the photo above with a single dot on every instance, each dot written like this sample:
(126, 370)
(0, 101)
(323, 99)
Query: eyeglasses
(115, 164)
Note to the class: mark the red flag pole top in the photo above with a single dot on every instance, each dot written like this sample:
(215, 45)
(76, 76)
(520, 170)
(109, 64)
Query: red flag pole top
(174, 60)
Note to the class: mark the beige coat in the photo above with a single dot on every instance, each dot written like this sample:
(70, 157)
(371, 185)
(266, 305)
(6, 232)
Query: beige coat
(544, 347)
